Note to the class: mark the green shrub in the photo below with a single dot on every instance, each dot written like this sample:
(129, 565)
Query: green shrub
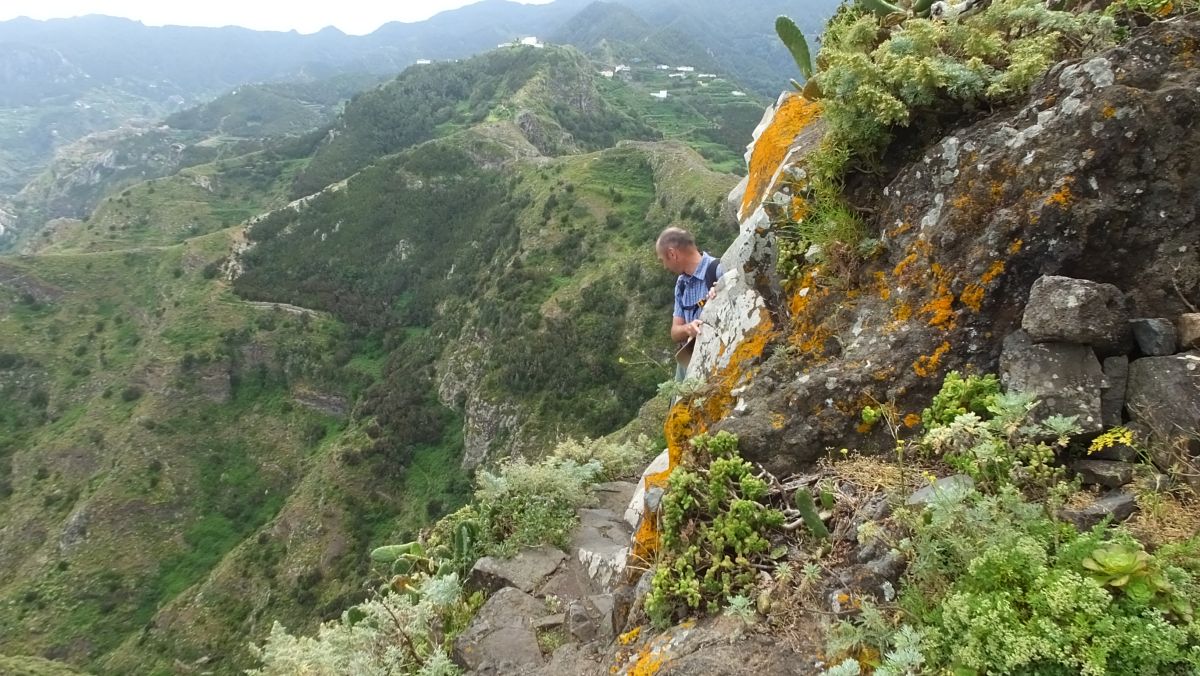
(958, 396)
(131, 393)
(618, 460)
(525, 504)
(715, 530)
(996, 586)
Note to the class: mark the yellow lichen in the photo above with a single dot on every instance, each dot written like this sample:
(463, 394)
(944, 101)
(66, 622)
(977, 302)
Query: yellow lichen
(629, 636)
(926, 365)
(1015, 247)
(1063, 196)
(912, 420)
(972, 297)
(994, 271)
(771, 147)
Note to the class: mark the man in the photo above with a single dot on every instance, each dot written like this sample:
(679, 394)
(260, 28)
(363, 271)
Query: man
(698, 271)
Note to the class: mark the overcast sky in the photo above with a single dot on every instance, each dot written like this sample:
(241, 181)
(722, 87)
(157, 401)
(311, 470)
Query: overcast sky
(352, 16)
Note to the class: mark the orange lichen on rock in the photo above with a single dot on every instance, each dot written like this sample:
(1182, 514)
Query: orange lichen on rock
(1063, 196)
(1015, 247)
(771, 147)
(912, 420)
(940, 306)
(926, 365)
(1108, 111)
(972, 297)
(902, 312)
(996, 269)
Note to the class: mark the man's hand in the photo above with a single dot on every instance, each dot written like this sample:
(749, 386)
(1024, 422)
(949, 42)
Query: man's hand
(693, 328)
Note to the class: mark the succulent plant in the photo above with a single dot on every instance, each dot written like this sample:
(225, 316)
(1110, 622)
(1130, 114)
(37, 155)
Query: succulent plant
(808, 511)
(793, 38)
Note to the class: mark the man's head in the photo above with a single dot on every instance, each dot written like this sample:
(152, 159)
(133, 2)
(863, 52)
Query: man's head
(676, 249)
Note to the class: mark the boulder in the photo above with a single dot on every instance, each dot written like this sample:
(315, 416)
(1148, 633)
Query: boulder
(601, 543)
(1065, 378)
(1068, 310)
(1107, 473)
(1112, 395)
(1164, 396)
(1155, 337)
(1188, 331)
(501, 637)
(1118, 505)
(525, 571)
(1116, 452)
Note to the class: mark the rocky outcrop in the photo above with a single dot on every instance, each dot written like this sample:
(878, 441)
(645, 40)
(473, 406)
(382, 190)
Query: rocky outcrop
(1094, 179)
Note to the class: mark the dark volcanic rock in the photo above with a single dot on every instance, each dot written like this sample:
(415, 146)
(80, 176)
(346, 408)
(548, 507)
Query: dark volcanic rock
(1096, 176)
(1155, 337)
(1164, 396)
(1112, 395)
(1068, 310)
(1064, 378)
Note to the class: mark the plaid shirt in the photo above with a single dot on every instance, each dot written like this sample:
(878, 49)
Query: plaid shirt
(690, 289)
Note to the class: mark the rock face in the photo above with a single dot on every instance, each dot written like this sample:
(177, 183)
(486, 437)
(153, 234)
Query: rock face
(1066, 379)
(1067, 310)
(1094, 177)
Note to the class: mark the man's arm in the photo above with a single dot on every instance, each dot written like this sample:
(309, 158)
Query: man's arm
(681, 330)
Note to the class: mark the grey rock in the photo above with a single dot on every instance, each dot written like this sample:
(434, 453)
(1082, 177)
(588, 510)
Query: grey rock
(1164, 396)
(1117, 452)
(1065, 378)
(654, 498)
(1112, 395)
(525, 571)
(614, 495)
(1155, 337)
(889, 566)
(550, 622)
(1107, 473)
(501, 638)
(1117, 504)
(1188, 331)
(1069, 310)
(944, 486)
(570, 581)
(590, 619)
(601, 544)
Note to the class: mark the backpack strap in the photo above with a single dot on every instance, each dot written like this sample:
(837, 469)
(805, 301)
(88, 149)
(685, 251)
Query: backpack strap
(710, 278)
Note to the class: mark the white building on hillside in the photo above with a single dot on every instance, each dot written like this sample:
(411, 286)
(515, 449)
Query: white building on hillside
(532, 42)
(685, 69)
(660, 94)
(663, 66)
(423, 62)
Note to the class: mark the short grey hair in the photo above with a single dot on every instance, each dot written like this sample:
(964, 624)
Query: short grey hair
(675, 238)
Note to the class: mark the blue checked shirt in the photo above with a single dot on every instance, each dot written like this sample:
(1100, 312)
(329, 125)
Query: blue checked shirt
(690, 289)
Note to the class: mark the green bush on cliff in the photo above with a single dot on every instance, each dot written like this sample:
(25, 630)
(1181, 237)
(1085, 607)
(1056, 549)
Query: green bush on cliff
(995, 585)
(715, 530)
(876, 74)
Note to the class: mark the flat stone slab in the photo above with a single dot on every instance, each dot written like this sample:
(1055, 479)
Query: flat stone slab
(614, 495)
(525, 571)
(1107, 473)
(946, 485)
(1118, 504)
(501, 638)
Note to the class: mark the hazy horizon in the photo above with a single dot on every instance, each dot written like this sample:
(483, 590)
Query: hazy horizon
(354, 17)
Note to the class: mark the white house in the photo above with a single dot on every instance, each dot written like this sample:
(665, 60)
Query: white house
(706, 75)
(423, 62)
(663, 66)
(532, 42)
(737, 93)
(677, 75)
(621, 68)
(660, 94)
(685, 69)
(606, 73)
